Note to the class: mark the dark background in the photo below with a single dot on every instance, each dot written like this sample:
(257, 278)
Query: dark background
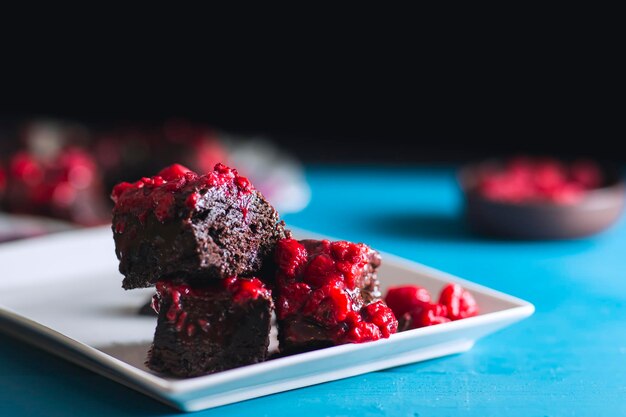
(386, 94)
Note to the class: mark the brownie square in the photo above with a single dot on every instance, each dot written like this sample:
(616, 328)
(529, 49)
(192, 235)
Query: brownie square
(200, 227)
(205, 330)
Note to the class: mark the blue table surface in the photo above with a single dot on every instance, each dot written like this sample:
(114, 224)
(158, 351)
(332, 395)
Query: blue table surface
(569, 358)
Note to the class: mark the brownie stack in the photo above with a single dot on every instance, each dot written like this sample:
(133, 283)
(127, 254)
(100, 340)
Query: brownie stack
(220, 258)
(202, 240)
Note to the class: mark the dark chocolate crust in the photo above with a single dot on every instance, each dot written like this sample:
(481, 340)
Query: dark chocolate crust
(223, 234)
(226, 334)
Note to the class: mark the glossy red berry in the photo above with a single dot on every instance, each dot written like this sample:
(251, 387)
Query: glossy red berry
(173, 172)
(320, 270)
(406, 298)
(291, 256)
(362, 332)
(382, 316)
(248, 289)
(292, 298)
(328, 305)
(428, 315)
(458, 301)
(526, 179)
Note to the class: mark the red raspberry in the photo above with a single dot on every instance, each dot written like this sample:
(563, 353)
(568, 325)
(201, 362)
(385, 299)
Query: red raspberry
(502, 187)
(568, 193)
(192, 200)
(119, 189)
(362, 332)
(525, 179)
(382, 316)
(320, 271)
(406, 298)
(173, 172)
(427, 315)
(243, 184)
(351, 259)
(292, 298)
(163, 204)
(224, 170)
(328, 305)
(347, 251)
(63, 194)
(230, 283)
(549, 174)
(24, 167)
(458, 302)
(249, 289)
(290, 256)
(339, 250)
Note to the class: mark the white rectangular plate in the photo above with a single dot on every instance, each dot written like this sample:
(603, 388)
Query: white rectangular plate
(63, 293)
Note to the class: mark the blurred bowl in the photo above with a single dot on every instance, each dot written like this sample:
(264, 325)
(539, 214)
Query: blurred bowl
(596, 211)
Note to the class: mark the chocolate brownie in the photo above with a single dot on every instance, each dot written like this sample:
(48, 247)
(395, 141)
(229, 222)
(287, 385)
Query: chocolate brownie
(210, 329)
(66, 185)
(199, 227)
(328, 295)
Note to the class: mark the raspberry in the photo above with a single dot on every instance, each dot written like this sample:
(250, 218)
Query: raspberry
(525, 179)
(157, 193)
(26, 168)
(382, 316)
(362, 332)
(321, 270)
(458, 302)
(173, 172)
(428, 315)
(549, 174)
(290, 256)
(328, 305)
(292, 298)
(243, 184)
(192, 200)
(568, 193)
(406, 298)
(247, 289)
(163, 204)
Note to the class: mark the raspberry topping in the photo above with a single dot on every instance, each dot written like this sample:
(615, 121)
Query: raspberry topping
(414, 308)
(291, 256)
(24, 167)
(292, 298)
(173, 172)
(158, 194)
(458, 302)
(240, 289)
(406, 298)
(427, 315)
(525, 179)
(320, 282)
(328, 305)
(382, 316)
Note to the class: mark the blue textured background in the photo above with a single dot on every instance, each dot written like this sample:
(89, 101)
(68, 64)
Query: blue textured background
(567, 359)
